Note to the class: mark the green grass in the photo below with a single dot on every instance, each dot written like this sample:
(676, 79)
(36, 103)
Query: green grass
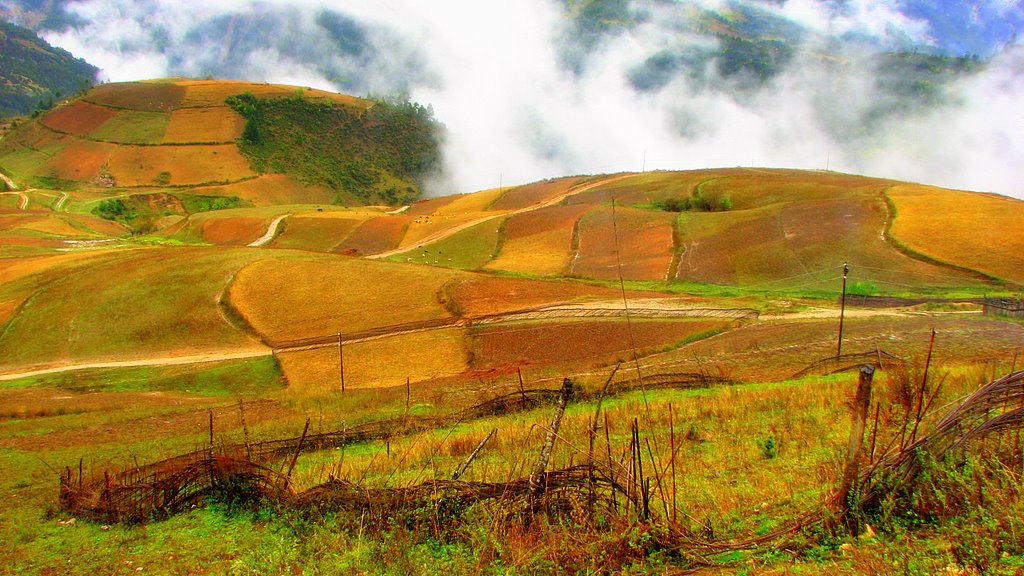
(133, 127)
(469, 249)
(244, 377)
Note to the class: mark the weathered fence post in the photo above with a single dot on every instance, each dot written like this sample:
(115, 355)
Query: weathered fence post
(462, 469)
(536, 485)
(860, 415)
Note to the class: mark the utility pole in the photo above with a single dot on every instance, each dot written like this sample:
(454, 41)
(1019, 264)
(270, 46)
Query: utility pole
(842, 311)
(341, 363)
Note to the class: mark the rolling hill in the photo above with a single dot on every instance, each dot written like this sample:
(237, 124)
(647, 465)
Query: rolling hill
(174, 281)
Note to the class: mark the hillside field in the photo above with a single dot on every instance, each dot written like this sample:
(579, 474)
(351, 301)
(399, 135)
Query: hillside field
(213, 359)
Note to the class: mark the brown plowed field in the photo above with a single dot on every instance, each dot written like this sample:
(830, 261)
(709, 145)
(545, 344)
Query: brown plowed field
(214, 124)
(481, 295)
(270, 190)
(78, 118)
(142, 165)
(80, 160)
(645, 242)
(236, 231)
(155, 97)
(539, 241)
(531, 194)
(376, 235)
(577, 343)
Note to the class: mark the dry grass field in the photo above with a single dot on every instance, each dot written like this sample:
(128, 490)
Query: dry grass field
(539, 241)
(133, 127)
(212, 93)
(463, 209)
(213, 124)
(318, 295)
(187, 165)
(381, 363)
(531, 194)
(975, 231)
(319, 231)
(376, 235)
(142, 303)
(81, 160)
(269, 190)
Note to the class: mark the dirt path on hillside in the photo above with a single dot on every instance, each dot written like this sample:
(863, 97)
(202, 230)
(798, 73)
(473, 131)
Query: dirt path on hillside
(270, 233)
(59, 204)
(23, 203)
(441, 235)
(162, 361)
(10, 183)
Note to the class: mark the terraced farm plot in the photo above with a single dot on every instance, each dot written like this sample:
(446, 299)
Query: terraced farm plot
(578, 343)
(429, 206)
(79, 117)
(317, 295)
(81, 160)
(319, 232)
(645, 244)
(133, 127)
(462, 210)
(642, 188)
(531, 194)
(213, 124)
(144, 165)
(377, 363)
(232, 231)
(801, 244)
(539, 241)
(269, 190)
(148, 96)
(203, 93)
(376, 235)
(467, 249)
(479, 295)
(979, 231)
(124, 305)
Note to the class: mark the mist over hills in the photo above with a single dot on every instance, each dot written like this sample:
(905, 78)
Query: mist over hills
(910, 90)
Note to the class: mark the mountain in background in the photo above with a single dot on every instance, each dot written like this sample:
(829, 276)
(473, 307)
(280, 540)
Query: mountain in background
(33, 74)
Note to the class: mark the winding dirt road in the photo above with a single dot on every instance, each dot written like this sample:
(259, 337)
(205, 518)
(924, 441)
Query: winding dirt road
(441, 235)
(270, 233)
(162, 361)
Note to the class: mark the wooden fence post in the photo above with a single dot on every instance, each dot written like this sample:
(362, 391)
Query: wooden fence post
(536, 486)
(860, 415)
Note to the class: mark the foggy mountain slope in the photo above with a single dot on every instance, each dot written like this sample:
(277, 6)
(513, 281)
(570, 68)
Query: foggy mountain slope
(910, 90)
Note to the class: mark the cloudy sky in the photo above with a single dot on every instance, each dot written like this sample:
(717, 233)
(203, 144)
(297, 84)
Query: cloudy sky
(534, 89)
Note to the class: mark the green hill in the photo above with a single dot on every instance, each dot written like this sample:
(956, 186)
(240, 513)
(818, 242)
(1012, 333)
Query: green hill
(33, 74)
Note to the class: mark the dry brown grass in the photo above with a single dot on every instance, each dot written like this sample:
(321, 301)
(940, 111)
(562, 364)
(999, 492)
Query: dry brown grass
(531, 194)
(321, 295)
(480, 294)
(200, 93)
(978, 231)
(214, 124)
(319, 231)
(460, 210)
(142, 165)
(233, 231)
(376, 235)
(270, 190)
(377, 363)
(539, 241)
